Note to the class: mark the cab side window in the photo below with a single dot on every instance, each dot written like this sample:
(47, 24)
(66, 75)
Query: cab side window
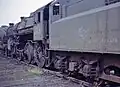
(56, 9)
(38, 17)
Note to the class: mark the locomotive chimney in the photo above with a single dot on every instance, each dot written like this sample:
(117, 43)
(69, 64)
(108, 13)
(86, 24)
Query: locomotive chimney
(11, 24)
(22, 18)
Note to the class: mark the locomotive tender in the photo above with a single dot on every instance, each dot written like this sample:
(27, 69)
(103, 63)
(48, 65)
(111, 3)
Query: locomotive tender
(74, 36)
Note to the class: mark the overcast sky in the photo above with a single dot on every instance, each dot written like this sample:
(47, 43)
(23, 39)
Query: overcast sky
(12, 10)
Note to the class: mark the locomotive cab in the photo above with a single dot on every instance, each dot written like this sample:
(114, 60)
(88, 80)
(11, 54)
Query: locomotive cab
(41, 34)
(41, 23)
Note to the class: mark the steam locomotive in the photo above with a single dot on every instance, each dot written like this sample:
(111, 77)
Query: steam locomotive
(77, 37)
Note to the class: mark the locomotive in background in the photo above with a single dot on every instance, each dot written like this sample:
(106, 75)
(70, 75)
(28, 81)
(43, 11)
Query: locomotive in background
(77, 37)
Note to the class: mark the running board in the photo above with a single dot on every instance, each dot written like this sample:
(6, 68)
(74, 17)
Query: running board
(111, 78)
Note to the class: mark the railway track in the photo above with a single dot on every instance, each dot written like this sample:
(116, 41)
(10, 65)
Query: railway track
(28, 76)
(58, 74)
(83, 83)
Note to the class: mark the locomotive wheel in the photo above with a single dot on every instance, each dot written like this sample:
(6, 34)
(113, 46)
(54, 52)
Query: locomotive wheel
(47, 62)
(28, 52)
(40, 60)
(27, 58)
(19, 55)
(33, 61)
